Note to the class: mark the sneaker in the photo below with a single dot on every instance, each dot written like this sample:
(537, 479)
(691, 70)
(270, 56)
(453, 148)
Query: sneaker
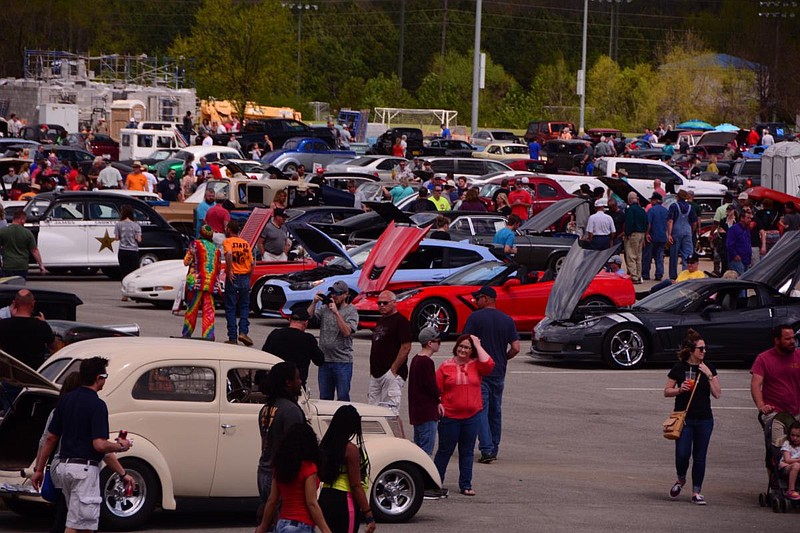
(698, 499)
(487, 458)
(231, 341)
(792, 495)
(675, 491)
(436, 494)
(244, 339)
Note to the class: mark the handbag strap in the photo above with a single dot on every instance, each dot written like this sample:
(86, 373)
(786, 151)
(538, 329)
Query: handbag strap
(694, 389)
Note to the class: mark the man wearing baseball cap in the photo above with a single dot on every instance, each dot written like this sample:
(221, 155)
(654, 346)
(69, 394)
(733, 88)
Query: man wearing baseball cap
(136, 180)
(338, 321)
(499, 337)
(423, 393)
(294, 344)
(273, 243)
(600, 227)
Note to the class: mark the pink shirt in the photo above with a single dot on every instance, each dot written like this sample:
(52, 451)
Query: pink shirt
(781, 373)
(217, 217)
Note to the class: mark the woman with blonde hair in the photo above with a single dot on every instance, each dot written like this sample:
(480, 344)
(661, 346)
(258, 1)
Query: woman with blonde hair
(502, 206)
(280, 200)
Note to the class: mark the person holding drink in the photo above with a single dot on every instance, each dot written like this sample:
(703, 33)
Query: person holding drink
(693, 371)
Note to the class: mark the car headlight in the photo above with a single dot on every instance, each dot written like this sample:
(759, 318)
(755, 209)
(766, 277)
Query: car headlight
(406, 295)
(591, 322)
(396, 425)
(305, 285)
(163, 288)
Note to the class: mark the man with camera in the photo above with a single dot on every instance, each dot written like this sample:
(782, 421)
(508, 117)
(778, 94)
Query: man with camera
(338, 320)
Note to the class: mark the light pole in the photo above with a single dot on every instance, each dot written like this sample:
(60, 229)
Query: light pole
(476, 66)
(300, 8)
(582, 72)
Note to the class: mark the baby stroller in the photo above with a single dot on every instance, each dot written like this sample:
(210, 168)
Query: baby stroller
(775, 431)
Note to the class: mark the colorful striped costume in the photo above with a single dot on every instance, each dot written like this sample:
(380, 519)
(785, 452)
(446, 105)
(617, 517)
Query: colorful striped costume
(204, 259)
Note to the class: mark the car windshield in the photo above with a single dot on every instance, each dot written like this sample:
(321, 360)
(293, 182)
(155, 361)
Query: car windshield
(361, 161)
(220, 188)
(484, 273)
(670, 299)
(183, 154)
(160, 155)
(515, 149)
(488, 190)
(504, 136)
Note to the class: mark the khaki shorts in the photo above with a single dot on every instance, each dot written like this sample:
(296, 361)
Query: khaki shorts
(81, 487)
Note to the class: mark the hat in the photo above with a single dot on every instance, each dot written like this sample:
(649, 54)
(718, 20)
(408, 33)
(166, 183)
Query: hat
(601, 202)
(278, 212)
(694, 258)
(743, 196)
(622, 172)
(428, 334)
(136, 164)
(340, 287)
(615, 259)
(485, 291)
(206, 232)
(451, 183)
(657, 196)
(525, 181)
(300, 314)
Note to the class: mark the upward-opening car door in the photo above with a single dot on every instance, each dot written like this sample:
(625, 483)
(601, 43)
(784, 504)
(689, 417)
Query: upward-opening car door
(63, 234)
(393, 248)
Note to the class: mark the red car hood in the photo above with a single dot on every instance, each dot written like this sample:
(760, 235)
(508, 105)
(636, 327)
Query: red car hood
(254, 225)
(394, 244)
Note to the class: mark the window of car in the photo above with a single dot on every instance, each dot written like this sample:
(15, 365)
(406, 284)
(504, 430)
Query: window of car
(443, 166)
(459, 258)
(425, 257)
(662, 173)
(634, 170)
(487, 225)
(67, 210)
(177, 384)
(54, 368)
(494, 166)
(243, 385)
(74, 366)
(103, 211)
(141, 216)
(293, 125)
(475, 168)
(546, 191)
(125, 140)
(144, 141)
(254, 195)
(164, 142)
(493, 150)
(461, 225)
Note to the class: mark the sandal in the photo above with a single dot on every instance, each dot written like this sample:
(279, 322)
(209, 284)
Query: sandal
(467, 492)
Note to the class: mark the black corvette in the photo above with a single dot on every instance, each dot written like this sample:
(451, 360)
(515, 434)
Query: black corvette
(734, 317)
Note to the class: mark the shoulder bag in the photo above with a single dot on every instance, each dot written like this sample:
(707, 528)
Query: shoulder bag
(673, 425)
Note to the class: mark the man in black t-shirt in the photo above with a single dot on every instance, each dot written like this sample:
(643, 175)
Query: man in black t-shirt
(294, 344)
(23, 336)
(391, 343)
(169, 189)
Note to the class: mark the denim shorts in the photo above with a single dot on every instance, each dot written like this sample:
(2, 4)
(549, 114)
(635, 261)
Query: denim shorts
(293, 526)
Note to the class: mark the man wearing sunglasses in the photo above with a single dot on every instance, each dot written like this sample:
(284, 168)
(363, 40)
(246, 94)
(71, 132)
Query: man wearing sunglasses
(391, 343)
(80, 424)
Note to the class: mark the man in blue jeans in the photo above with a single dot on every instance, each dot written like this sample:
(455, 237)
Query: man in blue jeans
(655, 237)
(238, 269)
(338, 320)
(680, 221)
(499, 337)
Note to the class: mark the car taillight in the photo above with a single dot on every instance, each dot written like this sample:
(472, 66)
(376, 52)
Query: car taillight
(749, 183)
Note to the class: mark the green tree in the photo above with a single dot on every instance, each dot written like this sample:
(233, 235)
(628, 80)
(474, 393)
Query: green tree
(242, 51)
(553, 92)
(383, 91)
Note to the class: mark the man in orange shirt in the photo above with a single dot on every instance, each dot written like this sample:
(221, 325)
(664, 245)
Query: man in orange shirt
(136, 180)
(238, 268)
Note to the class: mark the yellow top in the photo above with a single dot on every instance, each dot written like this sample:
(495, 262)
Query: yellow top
(683, 276)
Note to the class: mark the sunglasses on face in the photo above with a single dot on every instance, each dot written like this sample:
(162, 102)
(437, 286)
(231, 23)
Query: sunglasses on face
(701, 348)
(102, 376)
(383, 303)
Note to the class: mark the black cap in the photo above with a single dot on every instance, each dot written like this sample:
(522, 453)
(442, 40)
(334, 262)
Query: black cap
(279, 212)
(300, 314)
(485, 291)
(694, 258)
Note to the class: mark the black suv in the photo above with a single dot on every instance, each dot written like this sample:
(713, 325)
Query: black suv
(279, 130)
(384, 144)
(779, 130)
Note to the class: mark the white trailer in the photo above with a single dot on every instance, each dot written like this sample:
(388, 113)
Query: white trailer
(139, 144)
(65, 115)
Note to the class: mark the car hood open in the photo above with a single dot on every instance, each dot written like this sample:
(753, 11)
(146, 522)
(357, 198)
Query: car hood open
(551, 214)
(717, 137)
(389, 212)
(622, 188)
(318, 245)
(15, 372)
(780, 265)
(578, 270)
(394, 244)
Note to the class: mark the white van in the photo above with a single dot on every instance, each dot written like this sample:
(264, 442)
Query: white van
(642, 173)
(140, 143)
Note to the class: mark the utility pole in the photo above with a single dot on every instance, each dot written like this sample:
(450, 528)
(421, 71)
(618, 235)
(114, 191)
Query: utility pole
(582, 72)
(300, 8)
(476, 66)
(402, 40)
(444, 43)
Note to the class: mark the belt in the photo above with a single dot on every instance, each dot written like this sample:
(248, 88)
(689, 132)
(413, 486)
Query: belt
(79, 461)
(294, 523)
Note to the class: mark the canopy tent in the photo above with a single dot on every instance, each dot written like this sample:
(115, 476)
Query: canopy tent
(727, 127)
(695, 125)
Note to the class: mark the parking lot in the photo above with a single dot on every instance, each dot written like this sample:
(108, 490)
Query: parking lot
(581, 450)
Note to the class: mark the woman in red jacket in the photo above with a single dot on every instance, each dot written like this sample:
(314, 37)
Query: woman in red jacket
(459, 381)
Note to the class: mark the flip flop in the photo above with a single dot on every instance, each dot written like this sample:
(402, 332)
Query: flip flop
(467, 492)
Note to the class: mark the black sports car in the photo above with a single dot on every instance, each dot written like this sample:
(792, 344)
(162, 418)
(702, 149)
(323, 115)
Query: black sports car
(735, 317)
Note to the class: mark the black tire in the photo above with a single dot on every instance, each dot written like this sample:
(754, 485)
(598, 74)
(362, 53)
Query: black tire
(255, 295)
(776, 505)
(762, 499)
(125, 513)
(147, 258)
(434, 312)
(595, 301)
(113, 273)
(290, 167)
(555, 262)
(396, 494)
(625, 347)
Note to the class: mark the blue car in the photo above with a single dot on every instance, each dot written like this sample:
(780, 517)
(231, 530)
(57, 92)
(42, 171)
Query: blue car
(424, 261)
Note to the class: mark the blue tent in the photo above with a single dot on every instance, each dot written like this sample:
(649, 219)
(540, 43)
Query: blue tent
(695, 125)
(727, 127)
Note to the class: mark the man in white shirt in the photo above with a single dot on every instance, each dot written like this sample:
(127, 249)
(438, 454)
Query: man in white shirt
(600, 227)
(152, 182)
(767, 139)
(109, 178)
(207, 140)
(345, 138)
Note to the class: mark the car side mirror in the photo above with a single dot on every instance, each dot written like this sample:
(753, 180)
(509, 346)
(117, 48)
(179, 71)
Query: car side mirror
(711, 309)
(512, 282)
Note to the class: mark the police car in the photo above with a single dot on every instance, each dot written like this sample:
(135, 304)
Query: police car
(75, 231)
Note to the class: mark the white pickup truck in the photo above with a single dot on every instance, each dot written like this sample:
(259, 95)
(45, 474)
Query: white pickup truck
(642, 173)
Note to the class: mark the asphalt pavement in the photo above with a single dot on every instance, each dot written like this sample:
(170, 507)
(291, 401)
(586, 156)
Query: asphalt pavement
(582, 448)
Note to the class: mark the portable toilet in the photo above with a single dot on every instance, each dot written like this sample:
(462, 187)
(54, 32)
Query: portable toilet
(122, 111)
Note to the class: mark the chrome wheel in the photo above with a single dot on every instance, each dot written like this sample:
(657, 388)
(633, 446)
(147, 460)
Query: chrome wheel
(435, 314)
(117, 502)
(397, 493)
(626, 348)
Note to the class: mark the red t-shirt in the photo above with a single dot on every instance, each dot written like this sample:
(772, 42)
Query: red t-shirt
(520, 210)
(293, 495)
(217, 217)
(397, 150)
(781, 373)
(460, 386)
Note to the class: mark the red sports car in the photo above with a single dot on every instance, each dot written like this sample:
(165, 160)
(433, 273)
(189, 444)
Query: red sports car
(521, 293)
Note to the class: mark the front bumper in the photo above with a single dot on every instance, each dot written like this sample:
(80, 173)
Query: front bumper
(562, 343)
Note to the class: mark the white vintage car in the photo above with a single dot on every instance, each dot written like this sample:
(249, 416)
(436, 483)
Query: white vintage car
(191, 408)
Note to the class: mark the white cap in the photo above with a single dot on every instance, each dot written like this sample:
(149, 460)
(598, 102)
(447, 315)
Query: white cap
(525, 181)
(602, 202)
